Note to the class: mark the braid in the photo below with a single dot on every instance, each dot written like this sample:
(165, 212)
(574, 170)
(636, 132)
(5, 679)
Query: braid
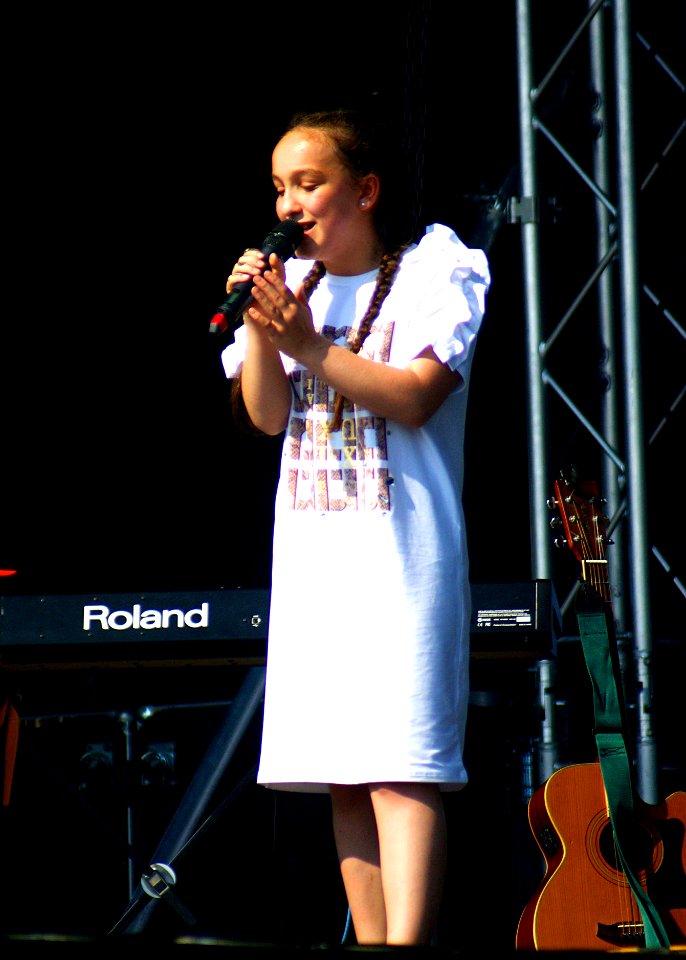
(387, 271)
(316, 272)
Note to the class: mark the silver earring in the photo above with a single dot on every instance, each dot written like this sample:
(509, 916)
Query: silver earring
(363, 203)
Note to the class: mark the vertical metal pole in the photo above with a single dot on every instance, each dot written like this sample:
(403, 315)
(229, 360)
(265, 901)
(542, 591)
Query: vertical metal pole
(612, 479)
(611, 425)
(633, 406)
(128, 726)
(547, 744)
(537, 431)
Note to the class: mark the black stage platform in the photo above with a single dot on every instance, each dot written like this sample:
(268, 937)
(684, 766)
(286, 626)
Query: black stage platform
(188, 948)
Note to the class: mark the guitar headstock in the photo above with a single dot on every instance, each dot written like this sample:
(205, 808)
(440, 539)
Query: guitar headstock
(578, 506)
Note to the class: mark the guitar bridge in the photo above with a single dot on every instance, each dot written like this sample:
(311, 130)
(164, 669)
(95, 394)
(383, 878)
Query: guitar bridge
(622, 933)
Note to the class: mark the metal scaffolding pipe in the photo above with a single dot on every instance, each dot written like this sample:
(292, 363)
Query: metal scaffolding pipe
(621, 409)
(539, 477)
(612, 475)
(630, 293)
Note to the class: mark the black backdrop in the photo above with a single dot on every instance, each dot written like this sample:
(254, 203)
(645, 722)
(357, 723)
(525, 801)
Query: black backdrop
(137, 167)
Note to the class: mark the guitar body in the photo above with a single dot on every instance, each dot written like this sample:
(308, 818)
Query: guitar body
(584, 901)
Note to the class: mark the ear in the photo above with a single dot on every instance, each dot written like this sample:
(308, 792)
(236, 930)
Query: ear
(369, 190)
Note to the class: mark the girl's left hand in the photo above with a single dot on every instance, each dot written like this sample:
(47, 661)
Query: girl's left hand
(284, 316)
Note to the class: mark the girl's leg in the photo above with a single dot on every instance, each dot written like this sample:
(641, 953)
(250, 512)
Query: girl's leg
(411, 829)
(357, 844)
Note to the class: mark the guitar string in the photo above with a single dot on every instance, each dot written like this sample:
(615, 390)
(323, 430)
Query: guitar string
(628, 906)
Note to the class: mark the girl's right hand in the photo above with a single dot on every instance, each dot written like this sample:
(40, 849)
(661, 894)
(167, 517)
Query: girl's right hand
(250, 263)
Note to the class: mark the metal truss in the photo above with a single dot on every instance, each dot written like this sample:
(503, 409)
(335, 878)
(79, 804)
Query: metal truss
(598, 170)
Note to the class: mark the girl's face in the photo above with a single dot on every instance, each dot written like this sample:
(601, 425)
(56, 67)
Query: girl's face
(334, 210)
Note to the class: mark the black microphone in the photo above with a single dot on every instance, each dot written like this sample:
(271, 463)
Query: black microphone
(283, 240)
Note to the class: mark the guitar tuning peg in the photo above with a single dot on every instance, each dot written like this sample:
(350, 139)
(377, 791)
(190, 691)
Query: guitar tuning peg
(560, 542)
(551, 503)
(555, 523)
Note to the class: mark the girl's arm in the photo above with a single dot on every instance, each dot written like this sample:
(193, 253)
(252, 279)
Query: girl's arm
(264, 384)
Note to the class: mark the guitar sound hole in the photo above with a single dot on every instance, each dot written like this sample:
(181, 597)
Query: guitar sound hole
(637, 847)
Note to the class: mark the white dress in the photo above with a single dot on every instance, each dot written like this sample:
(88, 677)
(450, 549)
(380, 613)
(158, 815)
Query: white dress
(368, 651)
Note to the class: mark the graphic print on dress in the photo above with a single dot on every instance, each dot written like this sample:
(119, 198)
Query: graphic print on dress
(346, 469)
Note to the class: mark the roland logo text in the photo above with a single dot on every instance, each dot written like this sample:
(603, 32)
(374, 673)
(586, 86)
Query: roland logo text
(98, 615)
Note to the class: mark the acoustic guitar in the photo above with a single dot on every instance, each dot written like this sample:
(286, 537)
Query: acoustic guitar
(584, 901)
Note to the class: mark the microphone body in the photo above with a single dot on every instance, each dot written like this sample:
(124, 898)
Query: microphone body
(283, 240)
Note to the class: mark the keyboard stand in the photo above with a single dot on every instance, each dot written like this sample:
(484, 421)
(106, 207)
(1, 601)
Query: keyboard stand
(183, 828)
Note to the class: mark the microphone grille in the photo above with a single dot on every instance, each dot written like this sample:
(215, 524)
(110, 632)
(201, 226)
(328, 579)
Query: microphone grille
(284, 238)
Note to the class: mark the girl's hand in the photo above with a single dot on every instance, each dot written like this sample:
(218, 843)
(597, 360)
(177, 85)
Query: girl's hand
(284, 316)
(249, 264)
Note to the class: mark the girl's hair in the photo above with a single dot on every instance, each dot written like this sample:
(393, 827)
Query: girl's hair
(364, 147)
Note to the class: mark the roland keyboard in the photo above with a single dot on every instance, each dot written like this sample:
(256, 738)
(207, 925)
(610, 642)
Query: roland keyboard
(225, 626)
(112, 629)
